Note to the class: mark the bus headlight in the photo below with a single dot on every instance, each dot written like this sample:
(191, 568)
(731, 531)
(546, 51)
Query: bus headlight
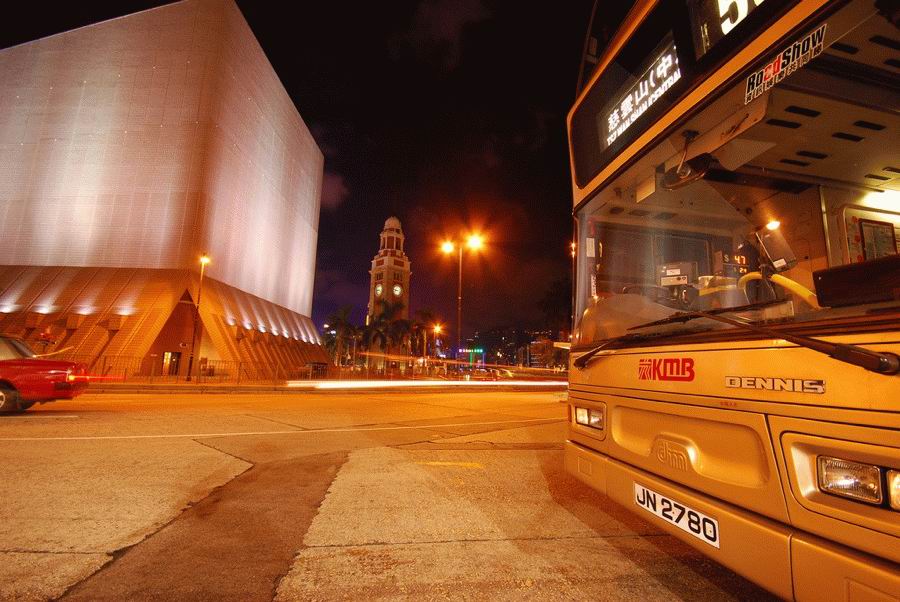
(853, 480)
(893, 486)
(589, 417)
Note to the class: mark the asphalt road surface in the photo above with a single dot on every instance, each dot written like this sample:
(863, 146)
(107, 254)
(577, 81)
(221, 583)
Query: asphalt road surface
(321, 496)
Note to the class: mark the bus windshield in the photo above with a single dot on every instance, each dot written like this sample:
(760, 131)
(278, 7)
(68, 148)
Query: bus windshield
(752, 195)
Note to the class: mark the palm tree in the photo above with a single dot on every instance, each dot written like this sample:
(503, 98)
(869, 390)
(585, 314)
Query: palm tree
(386, 328)
(374, 336)
(425, 321)
(343, 328)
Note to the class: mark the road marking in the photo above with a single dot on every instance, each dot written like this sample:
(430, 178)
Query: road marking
(35, 416)
(456, 464)
(294, 432)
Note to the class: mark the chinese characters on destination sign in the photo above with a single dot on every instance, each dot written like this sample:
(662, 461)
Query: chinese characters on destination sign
(661, 76)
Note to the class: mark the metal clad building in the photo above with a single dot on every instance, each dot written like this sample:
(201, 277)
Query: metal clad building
(127, 149)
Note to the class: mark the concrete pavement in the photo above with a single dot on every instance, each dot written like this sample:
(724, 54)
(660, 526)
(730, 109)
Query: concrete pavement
(313, 496)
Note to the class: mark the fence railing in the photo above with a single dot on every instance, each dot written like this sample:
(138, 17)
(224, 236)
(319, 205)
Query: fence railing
(117, 368)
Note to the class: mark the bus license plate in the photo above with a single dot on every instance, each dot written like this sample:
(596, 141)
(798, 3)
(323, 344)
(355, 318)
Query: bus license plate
(699, 525)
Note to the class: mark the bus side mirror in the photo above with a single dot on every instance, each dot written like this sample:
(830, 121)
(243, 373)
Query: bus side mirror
(689, 171)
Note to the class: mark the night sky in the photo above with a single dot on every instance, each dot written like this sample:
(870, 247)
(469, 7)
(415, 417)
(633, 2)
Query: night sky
(449, 114)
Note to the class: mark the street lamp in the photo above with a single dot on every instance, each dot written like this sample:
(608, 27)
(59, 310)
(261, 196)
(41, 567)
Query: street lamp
(204, 261)
(437, 330)
(474, 242)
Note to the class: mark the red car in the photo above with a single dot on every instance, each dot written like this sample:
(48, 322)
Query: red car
(26, 379)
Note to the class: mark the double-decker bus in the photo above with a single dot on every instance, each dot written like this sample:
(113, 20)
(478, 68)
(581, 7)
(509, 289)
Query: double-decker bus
(734, 360)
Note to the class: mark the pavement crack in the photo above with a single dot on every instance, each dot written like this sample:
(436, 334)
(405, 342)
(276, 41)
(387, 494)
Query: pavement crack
(222, 451)
(483, 540)
(281, 422)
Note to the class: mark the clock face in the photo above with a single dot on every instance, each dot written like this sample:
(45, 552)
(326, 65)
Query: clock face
(378, 290)
(397, 290)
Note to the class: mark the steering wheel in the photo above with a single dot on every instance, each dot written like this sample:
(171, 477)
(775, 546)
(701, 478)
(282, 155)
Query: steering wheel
(679, 297)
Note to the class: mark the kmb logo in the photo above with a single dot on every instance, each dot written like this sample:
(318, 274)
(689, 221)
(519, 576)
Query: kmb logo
(670, 368)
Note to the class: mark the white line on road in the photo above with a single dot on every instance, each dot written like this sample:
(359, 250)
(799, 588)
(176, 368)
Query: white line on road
(295, 432)
(36, 415)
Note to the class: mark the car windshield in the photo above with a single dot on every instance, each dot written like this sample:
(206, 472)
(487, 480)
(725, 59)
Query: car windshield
(14, 349)
(750, 197)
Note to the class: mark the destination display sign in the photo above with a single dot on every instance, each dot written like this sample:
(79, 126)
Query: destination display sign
(712, 20)
(633, 100)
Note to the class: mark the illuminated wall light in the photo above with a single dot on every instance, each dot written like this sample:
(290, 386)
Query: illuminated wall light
(125, 311)
(85, 311)
(261, 328)
(44, 309)
(7, 309)
(888, 200)
(248, 325)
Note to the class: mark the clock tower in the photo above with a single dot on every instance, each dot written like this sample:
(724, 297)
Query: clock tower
(390, 271)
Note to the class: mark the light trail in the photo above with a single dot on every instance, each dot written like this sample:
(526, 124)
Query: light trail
(393, 384)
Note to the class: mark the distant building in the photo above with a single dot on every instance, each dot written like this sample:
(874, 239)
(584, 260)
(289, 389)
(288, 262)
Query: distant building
(128, 149)
(390, 271)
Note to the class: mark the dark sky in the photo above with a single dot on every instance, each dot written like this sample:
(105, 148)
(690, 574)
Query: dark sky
(449, 114)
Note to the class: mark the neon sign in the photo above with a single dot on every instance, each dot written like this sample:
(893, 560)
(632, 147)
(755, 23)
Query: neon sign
(659, 77)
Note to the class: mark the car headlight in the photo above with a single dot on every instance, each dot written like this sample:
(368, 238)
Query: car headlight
(589, 417)
(853, 480)
(893, 488)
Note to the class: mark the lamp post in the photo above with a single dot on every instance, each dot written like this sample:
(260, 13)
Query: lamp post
(204, 261)
(437, 330)
(474, 242)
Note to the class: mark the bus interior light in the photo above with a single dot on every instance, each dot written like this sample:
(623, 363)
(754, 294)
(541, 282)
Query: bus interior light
(852, 480)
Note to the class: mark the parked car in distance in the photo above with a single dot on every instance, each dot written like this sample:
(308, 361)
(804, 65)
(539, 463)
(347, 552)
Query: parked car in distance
(26, 379)
(480, 374)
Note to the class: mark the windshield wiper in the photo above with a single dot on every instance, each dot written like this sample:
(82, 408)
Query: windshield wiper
(582, 360)
(685, 316)
(874, 361)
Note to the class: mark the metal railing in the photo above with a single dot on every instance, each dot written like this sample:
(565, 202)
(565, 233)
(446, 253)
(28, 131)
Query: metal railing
(117, 368)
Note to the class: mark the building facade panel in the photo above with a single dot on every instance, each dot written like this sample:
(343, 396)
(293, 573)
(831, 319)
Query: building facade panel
(127, 149)
(102, 133)
(263, 179)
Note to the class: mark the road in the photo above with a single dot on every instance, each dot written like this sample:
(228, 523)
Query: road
(326, 496)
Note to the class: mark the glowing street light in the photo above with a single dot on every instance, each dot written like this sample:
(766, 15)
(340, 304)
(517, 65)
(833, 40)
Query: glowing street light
(436, 329)
(204, 261)
(474, 242)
